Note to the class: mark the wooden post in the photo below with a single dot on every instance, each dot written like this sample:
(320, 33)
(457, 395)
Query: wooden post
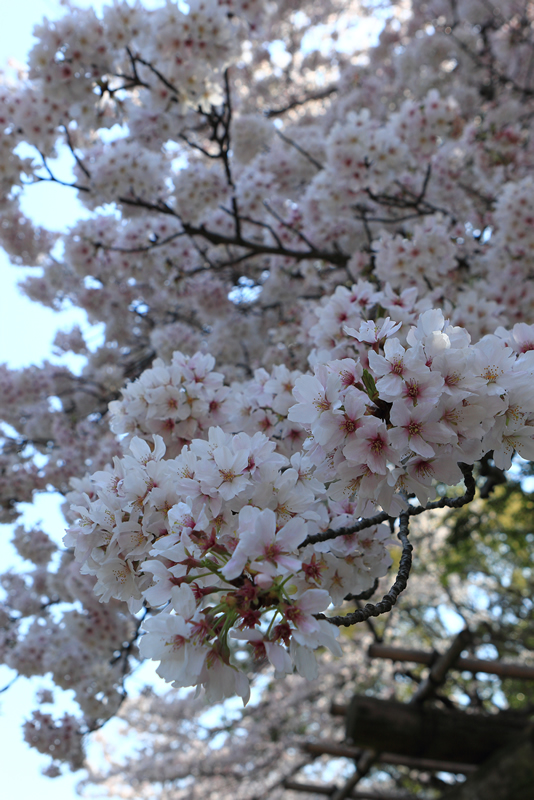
(440, 667)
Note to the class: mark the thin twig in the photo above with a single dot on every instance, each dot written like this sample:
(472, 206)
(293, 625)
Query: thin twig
(10, 684)
(292, 143)
(76, 157)
(277, 112)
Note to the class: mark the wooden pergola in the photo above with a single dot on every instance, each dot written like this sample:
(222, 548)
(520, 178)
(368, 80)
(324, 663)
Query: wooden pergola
(495, 752)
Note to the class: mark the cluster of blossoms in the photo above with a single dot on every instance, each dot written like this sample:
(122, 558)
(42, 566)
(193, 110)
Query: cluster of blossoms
(404, 421)
(215, 538)
(178, 402)
(123, 170)
(426, 259)
(191, 48)
(182, 400)
(79, 649)
(42, 729)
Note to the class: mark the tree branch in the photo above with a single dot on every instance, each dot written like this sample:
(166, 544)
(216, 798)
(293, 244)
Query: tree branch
(390, 598)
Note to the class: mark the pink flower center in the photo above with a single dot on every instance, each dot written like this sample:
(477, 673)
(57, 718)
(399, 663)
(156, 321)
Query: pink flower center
(424, 469)
(349, 425)
(412, 390)
(272, 551)
(377, 444)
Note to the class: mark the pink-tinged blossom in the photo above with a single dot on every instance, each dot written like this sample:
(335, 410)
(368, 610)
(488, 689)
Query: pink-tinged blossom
(507, 438)
(426, 389)
(167, 402)
(303, 659)
(262, 647)
(315, 395)
(456, 369)
(323, 635)
(262, 460)
(305, 474)
(116, 578)
(335, 427)
(520, 338)
(221, 680)
(265, 549)
(349, 371)
(307, 631)
(372, 332)
(426, 470)
(428, 329)
(493, 362)
(142, 453)
(164, 583)
(466, 420)
(414, 431)
(170, 639)
(396, 366)
(355, 480)
(341, 577)
(227, 474)
(371, 446)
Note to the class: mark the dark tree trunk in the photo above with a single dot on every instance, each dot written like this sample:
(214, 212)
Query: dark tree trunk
(507, 775)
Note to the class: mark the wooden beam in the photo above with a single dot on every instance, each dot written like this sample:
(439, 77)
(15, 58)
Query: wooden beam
(315, 788)
(317, 749)
(499, 668)
(312, 788)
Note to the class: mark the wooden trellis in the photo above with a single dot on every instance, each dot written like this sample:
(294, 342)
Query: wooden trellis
(418, 736)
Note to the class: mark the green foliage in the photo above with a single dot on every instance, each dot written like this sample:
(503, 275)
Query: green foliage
(489, 550)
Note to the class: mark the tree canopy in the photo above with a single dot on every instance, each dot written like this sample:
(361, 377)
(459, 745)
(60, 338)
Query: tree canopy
(310, 264)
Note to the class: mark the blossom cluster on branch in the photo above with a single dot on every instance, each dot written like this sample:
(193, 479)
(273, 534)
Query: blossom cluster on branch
(230, 523)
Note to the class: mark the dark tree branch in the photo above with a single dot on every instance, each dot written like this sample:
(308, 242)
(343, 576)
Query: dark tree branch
(278, 112)
(411, 511)
(156, 72)
(292, 143)
(76, 157)
(52, 178)
(338, 258)
(390, 598)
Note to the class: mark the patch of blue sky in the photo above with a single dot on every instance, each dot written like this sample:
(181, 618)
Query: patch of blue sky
(360, 34)
(516, 472)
